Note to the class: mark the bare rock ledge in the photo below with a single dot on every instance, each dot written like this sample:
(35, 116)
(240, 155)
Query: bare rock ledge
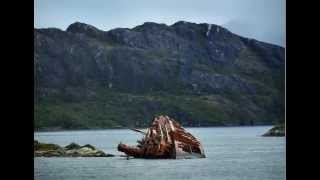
(71, 150)
(278, 130)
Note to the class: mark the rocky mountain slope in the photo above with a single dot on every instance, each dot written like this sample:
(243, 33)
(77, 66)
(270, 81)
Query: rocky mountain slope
(200, 74)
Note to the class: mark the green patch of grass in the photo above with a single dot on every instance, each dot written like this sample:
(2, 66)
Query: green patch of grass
(111, 109)
(45, 147)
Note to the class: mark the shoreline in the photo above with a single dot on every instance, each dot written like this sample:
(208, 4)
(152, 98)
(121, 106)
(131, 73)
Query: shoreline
(101, 129)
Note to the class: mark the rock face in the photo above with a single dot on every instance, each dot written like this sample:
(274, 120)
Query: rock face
(278, 130)
(71, 150)
(228, 79)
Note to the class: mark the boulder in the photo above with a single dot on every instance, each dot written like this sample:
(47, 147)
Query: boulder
(88, 152)
(88, 146)
(72, 146)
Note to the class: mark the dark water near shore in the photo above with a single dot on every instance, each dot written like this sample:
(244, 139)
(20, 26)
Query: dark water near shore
(233, 153)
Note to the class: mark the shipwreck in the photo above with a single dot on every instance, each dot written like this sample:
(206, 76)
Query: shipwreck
(165, 139)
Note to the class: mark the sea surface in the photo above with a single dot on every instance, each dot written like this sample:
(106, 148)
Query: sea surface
(233, 153)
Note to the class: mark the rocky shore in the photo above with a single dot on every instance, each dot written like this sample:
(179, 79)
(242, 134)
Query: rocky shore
(277, 130)
(71, 150)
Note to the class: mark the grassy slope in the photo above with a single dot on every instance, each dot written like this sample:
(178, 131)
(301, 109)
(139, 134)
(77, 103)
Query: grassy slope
(112, 109)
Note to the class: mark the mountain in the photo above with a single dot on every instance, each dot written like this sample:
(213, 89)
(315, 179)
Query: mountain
(199, 74)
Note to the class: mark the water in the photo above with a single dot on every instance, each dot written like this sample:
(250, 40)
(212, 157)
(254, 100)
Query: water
(233, 153)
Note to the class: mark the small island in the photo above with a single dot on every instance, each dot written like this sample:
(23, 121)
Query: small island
(71, 150)
(277, 130)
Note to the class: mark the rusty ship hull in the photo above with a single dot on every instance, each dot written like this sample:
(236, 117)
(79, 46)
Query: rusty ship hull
(165, 139)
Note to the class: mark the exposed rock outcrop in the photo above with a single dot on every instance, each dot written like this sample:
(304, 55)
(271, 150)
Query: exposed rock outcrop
(71, 150)
(278, 130)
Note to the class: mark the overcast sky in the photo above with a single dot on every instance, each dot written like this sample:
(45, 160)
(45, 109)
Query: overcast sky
(263, 20)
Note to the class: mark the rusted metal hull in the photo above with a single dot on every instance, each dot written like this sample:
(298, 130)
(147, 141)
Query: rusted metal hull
(165, 139)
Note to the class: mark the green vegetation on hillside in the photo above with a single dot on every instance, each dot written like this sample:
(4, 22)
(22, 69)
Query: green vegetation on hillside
(115, 110)
(88, 78)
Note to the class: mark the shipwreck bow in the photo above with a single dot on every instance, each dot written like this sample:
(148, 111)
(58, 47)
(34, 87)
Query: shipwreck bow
(165, 138)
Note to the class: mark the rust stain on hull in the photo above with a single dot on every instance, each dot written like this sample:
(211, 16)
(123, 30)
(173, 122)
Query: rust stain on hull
(165, 139)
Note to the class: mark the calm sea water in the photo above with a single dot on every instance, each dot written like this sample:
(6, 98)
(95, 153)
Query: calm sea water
(233, 153)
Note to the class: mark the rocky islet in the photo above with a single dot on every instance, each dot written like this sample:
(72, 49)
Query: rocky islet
(71, 150)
